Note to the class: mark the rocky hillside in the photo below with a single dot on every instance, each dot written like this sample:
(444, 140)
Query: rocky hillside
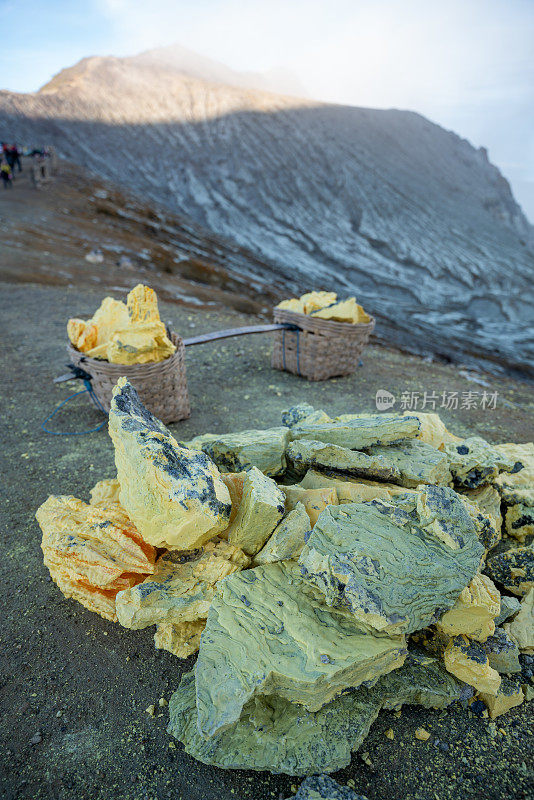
(384, 204)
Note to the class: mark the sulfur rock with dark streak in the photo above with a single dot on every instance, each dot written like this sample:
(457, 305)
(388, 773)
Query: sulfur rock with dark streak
(275, 735)
(321, 787)
(296, 414)
(287, 539)
(260, 508)
(473, 462)
(285, 641)
(397, 565)
(468, 661)
(350, 490)
(182, 586)
(357, 431)
(421, 681)
(175, 496)
(509, 695)
(235, 452)
(519, 521)
(502, 652)
(513, 568)
(509, 607)
(408, 465)
(517, 487)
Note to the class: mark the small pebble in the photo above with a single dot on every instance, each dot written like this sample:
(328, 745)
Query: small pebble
(162, 702)
(151, 710)
(36, 738)
(422, 734)
(390, 734)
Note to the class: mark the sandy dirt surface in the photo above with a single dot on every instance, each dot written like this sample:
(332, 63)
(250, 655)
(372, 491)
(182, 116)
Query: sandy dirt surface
(74, 688)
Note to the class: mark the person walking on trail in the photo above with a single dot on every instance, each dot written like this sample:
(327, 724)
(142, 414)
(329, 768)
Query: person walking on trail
(15, 158)
(6, 175)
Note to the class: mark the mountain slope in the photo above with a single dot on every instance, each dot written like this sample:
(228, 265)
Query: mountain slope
(385, 204)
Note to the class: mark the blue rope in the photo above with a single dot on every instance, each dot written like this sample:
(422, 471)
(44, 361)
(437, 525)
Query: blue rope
(92, 395)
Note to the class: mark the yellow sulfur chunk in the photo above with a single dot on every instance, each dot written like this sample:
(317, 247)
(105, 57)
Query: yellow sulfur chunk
(469, 662)
(521, 629)
(422, 734)
(488, 500)
(352, 491)
(257, 508)
(474, 612)
(313, 301)
(518, 486)
(292, 305)
(180, 640)
(175, 496)
(142, 304)
(92, 553)
(287, 539)
(313, 500)
(432, 430)
(105, 493)
(182, 586)
(344, 311)
(509, 696)
(108, 318)
(140, 343)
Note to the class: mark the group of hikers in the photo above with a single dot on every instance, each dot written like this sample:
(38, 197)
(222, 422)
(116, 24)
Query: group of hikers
(9, 159)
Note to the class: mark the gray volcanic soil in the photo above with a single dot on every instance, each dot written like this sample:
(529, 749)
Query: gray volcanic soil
(85, 683)
(381, 203)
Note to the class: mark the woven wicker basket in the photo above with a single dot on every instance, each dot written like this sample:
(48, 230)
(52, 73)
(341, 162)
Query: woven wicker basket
(319, 348)
(162, 385)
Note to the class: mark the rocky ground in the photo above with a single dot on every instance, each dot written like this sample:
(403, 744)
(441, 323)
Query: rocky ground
(74, 688)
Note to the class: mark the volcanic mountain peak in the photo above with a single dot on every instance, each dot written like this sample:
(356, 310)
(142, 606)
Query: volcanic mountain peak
(381, 203)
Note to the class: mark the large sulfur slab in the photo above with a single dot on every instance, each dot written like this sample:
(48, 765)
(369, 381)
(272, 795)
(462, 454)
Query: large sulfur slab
(342, 311)
(351, 490)
(513, 568)
(408, 465)
(235, 452)
(287, 539)
(473, 462)
(519, 521)
(397, 564)
(518, 485)
(182, 586)
(181, 640)
(275, 735)
(175, 496)
(285, 641)
(261, 508)
(358, 431)
(468, 661)
(91, 552)
(475, 610)
(416, 462)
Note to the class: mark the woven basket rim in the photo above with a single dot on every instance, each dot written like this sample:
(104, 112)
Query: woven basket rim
(326, 326)
(103, 366)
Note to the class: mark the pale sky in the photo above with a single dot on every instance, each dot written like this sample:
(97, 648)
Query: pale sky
(466, 64)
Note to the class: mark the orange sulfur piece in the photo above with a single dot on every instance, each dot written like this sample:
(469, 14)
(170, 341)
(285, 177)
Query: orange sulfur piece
(92, 553)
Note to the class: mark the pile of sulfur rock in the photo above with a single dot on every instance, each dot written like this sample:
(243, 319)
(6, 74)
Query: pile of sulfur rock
(324, 570)
(325, 305)
(123, 333)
